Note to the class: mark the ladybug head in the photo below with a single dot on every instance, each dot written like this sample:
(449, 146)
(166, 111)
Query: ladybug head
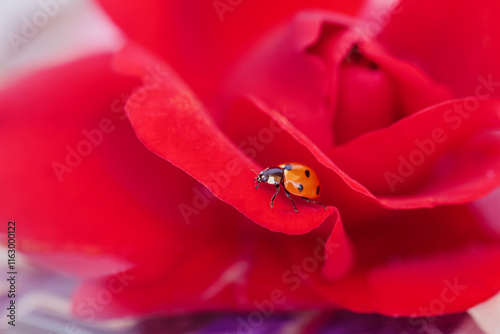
(263, 176)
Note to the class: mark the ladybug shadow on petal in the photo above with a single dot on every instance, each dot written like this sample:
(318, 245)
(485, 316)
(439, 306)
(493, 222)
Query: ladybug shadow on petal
(296, 179)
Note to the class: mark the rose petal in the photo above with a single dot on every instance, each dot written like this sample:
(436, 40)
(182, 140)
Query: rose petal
(218, 32)
(291, 78)
(340, 253)
(367, 100)
(416, 90)
(170, 122)
(437, 156)
(250, 274)
(81, 187)
(410, 262)
(458, 47)
(210, 257)
(376, 90)
(244, 267)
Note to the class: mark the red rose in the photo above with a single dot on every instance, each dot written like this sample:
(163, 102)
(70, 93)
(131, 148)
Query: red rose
(405, 145)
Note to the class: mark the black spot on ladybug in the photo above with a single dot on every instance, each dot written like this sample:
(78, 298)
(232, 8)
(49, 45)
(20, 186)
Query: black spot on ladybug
(301, 187)
(317, 190)
(288, 167)
(307, 172)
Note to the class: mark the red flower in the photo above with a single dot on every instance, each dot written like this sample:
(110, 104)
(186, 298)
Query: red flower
(405, 147)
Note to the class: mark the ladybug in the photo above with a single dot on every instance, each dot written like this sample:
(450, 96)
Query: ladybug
(295, 178)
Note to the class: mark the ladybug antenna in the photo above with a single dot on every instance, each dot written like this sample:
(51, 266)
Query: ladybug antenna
(256, 179)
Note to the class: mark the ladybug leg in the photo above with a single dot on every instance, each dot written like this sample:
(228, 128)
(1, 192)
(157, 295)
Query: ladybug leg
(275, 194)
(311, 201)
(290, 197)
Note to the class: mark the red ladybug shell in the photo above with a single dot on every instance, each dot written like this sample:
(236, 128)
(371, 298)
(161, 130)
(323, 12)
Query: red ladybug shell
(300, 180)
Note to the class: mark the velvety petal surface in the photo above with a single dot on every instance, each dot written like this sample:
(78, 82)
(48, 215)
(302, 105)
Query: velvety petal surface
(202, 39)
(444, 154)
(419, 263)
(375, 90)
(459, 45)
(443, 251)
(284, 71)
(80, 186)
(242, 267)
(170, 121)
